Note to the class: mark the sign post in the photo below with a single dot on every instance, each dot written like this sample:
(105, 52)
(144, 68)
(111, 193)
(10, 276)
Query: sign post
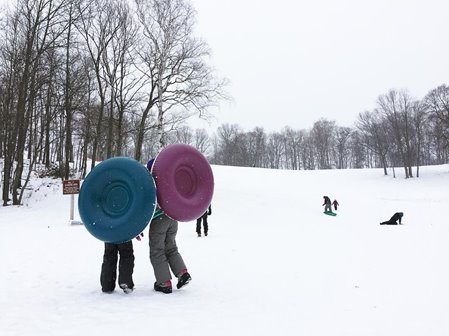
(71, 187)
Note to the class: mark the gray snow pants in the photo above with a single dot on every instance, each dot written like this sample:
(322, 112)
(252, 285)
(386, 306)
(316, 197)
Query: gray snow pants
(164, 253)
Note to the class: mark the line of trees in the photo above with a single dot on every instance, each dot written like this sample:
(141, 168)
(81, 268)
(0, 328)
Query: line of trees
(400, 131)
(86, 79)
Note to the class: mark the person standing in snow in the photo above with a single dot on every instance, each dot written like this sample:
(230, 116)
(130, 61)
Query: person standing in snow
(164, 254)
(203, 218)
(327, 204)
(394, 219)
(125, 268)
(335, 204)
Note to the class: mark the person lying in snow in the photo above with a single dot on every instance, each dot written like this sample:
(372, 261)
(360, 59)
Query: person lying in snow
(394, 219)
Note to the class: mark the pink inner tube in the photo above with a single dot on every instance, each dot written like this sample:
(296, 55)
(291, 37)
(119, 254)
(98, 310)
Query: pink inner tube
(184, 182)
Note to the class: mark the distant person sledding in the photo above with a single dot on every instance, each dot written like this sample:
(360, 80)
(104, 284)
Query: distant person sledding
(394, 219)
(328, 206)
(335, 204)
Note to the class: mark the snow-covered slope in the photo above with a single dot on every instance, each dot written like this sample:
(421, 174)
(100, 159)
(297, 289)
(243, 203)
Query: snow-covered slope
(273, 263)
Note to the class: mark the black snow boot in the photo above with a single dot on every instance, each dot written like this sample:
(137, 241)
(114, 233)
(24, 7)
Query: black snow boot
(183, 280)
(126, 289)
(163, 287)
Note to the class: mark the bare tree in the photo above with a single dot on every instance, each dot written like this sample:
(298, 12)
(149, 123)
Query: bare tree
(256, 147)
(308, 153)
(419, 117)
(121, 76)
(202, 141)
(323, 135)
(173, 60)
(39, 26)
(396, 107)
(98, 25)
(275, 150)
(374, 132)
(293, 147)
(437, 102)
(68, 108)
(10, 70)
(184, 135)
(227, 147)
(342, 138)
(358, 154)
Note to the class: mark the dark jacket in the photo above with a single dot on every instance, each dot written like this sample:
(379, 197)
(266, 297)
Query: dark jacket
(335, 204)
(393, 220)
(208, 212)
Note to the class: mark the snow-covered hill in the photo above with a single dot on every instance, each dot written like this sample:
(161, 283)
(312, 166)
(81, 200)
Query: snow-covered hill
(273, 263)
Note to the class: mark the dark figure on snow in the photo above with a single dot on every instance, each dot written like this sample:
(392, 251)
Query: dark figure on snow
(205, 224)
(125, 268)
(335, 204)
(394, 219)
(327, 204)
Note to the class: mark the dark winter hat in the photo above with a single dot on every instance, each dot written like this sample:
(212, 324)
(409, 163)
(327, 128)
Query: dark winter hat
(150, 164)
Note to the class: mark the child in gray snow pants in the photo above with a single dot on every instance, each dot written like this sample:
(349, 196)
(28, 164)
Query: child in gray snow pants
(164, 254)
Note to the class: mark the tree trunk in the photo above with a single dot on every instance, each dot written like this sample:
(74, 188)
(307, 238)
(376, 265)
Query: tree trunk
(21, 126)
(110, 126)
(141, 132)
(160, 128)
(68, 105)
(97, 132)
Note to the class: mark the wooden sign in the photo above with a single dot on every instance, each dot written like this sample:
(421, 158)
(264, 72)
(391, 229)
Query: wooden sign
(70, 187)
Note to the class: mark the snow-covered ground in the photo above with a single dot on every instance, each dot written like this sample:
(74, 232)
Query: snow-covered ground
(273, 263)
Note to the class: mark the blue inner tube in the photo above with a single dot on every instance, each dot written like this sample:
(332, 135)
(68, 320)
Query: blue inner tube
(117, 200)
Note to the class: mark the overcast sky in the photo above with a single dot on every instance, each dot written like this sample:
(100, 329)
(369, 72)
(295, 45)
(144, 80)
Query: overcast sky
(291, 62)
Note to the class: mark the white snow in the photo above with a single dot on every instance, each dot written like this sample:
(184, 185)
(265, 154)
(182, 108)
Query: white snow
(273, 263)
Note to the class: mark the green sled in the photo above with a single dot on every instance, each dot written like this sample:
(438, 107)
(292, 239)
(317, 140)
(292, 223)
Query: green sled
(330, 213)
